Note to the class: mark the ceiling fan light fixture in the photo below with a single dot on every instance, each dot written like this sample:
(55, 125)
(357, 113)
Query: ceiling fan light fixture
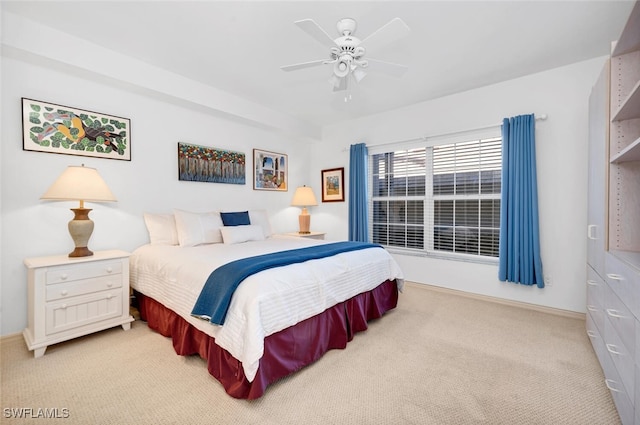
(359, 74)
(334, 81)
(342, 67)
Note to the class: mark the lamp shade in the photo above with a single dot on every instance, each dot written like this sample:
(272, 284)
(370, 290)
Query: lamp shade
(79, 184)
(304, 197)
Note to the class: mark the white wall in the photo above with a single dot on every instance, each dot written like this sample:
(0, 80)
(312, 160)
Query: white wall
(148, 182)
(561, 143)
(161, 117)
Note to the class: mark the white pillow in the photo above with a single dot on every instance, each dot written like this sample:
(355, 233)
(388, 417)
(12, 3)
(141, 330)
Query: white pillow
(239, 234)
(260, 218)
(162, 229)
(198, 228)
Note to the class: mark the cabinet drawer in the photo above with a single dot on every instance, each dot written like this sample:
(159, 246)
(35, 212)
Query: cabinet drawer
(624, 281)
(595, 284)
(81, 287)
(82, 271)
(596, 290)
(623, 359)
(620, 397)
(596, 314)
(84, 310)
(595, 336)
(623, 322)
(637, 393)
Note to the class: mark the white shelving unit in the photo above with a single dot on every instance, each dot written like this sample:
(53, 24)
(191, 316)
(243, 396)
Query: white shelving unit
(613, 241)
(624, 144)
(628, 154)
(630, 107)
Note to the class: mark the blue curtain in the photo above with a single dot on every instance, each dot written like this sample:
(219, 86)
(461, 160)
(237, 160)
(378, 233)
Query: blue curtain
(358, 214)
(519, 230)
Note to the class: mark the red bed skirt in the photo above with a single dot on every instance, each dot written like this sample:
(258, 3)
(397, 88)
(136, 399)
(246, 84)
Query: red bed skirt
(284, 352)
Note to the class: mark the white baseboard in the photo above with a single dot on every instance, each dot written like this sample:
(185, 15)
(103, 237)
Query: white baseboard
(520, 304)
(10, 337)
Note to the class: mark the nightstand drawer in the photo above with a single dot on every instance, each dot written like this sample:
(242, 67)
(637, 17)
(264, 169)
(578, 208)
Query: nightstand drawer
(81, 287)
(82, 271)
(79, 311)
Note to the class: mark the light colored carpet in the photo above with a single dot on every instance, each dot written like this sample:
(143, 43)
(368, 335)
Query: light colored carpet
(439, 358)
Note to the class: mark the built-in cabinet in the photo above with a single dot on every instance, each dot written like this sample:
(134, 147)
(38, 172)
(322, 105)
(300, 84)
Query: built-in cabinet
(613, 232)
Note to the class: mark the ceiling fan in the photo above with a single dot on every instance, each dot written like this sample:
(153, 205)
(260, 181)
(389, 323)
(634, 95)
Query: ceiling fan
(347, 53)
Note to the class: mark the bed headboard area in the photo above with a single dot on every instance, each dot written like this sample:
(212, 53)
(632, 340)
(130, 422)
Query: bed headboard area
(189, 228)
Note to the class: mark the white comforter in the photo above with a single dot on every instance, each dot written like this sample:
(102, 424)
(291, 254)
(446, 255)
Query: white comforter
(264, 303)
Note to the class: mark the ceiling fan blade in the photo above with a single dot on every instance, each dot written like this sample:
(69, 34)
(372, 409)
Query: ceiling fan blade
(302, 65)
(393, 69)
(314, 30)
(392, 31)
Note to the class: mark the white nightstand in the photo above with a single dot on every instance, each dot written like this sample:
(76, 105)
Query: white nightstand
(311, 235)
(72, 297)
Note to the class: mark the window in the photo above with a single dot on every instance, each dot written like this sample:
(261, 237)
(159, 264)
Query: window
(442, 199)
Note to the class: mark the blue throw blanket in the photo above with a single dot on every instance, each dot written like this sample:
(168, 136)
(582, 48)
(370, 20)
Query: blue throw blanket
(215, 297)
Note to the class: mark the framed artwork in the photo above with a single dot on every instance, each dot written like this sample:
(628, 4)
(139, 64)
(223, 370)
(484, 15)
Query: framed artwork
(270, 170)
(333, 185)
(47, 127)
(204, 164)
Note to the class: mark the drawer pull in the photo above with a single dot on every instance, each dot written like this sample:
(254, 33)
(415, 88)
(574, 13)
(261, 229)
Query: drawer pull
(614, 276)
(63, 306)
(590, 229)
(592, 308)
(64, 276)
(609, 383)
(612, 348)
(109, 285)
(64, 293)
(109, 296)
(592, 282)
(109, 270)
(614, 313)
(592, 334)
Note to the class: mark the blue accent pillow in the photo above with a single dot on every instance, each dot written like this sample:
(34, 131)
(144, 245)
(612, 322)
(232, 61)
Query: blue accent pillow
(235, 218)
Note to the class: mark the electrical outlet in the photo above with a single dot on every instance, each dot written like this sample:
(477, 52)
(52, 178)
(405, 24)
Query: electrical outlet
(547, 280)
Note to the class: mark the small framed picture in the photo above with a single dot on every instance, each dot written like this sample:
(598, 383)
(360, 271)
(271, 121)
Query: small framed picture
(333, 185)
(270, 170)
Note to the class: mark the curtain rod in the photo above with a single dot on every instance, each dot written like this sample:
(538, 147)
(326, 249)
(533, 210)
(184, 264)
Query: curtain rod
(542, 117)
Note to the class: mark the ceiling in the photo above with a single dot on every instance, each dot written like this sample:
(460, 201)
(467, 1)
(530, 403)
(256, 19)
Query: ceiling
(239, 46)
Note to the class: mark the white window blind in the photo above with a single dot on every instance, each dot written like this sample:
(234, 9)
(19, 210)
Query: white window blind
(398, 198)
(442, 199)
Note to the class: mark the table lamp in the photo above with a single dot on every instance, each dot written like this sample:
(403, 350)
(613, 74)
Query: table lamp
(80, 184)
(304, 197)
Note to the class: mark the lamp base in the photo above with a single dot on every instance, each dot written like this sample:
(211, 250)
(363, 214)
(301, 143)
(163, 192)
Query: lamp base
(81, 252)
(80, 229)
(304, 220)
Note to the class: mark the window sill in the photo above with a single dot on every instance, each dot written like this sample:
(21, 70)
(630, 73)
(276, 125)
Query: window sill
(439, 256)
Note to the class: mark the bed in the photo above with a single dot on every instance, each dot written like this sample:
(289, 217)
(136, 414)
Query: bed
(279, 319)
